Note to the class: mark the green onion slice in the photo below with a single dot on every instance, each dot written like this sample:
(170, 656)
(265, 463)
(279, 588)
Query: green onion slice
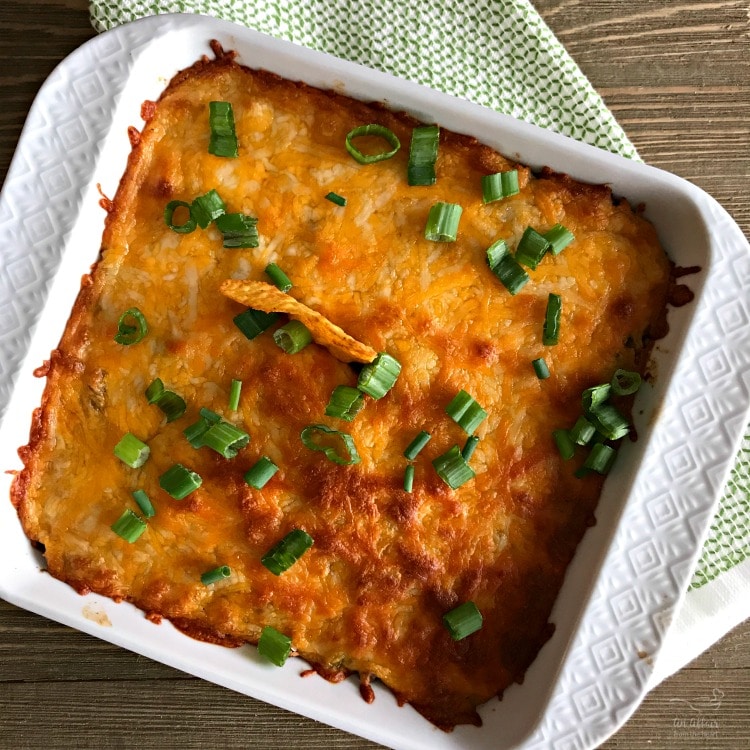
(275, 646)
(260, 473)
(195, 432)
(178, 481)
(452, 468)
(279, 279)
(253, 322)
(582, 432)
(345, 403)
(223, 138)
(309, 434)
(287, 551)
(594, 397)
(207, 208)
(600, 459)
(187, 226)
(559, 238)
(496, 252)
(216, 575)
(469, 447)
(625, 382)
(339, 200)
(226, 439)
(144, 503)
(129, 526)
(466, 412)
(380, 131)
(409, 478)
(132, 451)
(423, 153)
(565, 444)
(540, 368)
(169, 402)
(531, 248)
(551, 329)
(131, 327)
(463, 620)
(442, 222)
(292, 337)
(239, 230)
(416, 445)
(505, 267)
(499, 185)
(235, 391)
(608, 421)
(377, 378)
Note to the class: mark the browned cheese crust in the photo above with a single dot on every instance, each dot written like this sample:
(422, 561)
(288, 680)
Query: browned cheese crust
(386, 565)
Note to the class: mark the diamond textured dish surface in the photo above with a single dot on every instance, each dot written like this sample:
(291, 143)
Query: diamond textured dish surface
(603, 676)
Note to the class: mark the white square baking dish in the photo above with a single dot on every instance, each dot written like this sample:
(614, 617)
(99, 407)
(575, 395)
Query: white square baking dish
(630, 570)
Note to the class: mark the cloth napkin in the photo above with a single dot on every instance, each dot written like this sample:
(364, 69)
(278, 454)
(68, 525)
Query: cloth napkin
(502, 55)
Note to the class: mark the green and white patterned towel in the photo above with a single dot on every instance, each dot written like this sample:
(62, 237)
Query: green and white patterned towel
(502, 55)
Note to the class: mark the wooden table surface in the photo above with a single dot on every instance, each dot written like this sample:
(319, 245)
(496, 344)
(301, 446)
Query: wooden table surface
(677, 76)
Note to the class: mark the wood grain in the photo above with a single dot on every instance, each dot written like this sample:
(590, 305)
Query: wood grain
(677, 76)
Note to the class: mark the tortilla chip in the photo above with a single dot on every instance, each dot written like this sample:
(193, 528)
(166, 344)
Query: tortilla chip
(266, 297)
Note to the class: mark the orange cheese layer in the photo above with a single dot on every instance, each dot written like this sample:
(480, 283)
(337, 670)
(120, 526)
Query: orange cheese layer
(386, 565)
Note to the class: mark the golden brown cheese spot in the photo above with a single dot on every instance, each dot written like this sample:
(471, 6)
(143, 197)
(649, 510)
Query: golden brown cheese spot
(385, 566)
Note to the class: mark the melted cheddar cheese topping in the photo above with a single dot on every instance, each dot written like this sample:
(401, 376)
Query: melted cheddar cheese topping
(386, 565)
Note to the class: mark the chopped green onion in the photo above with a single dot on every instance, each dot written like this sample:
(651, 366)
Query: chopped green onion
(292, 337)
(216, 575)
(275, 646)
(452, 468)
(496, 252)
(423, 153)
(379, 131)
(559, 238)
(287, 551)
(131, 327)
(260, 473)
(225, 439)
(132, 451)
(339, 200)
(499, 185)
(409, 478)
(195, 432)
(345, 403)
(511, 274)
(169, 402)
(239, 230)
(129, 526)
(187, 226)
(540, 368)
(600, 459)
(469, 447)
(279, 279)
(207, 208)
(582, 432)
(594, 397)
(144, 503)
(416, 445)
(211, 416)
(179, 481)
(307, 436)
(234, 395)
(466, 412)
(442, 222)
(463, 620)
(608, 421)
(551, 329)
(565, 444)
(377, 378)
(223, 138)
(531, 248)
(625, 382)
(253, 322)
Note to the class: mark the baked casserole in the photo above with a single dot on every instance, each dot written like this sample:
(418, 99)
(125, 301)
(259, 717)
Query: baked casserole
(429, 564)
